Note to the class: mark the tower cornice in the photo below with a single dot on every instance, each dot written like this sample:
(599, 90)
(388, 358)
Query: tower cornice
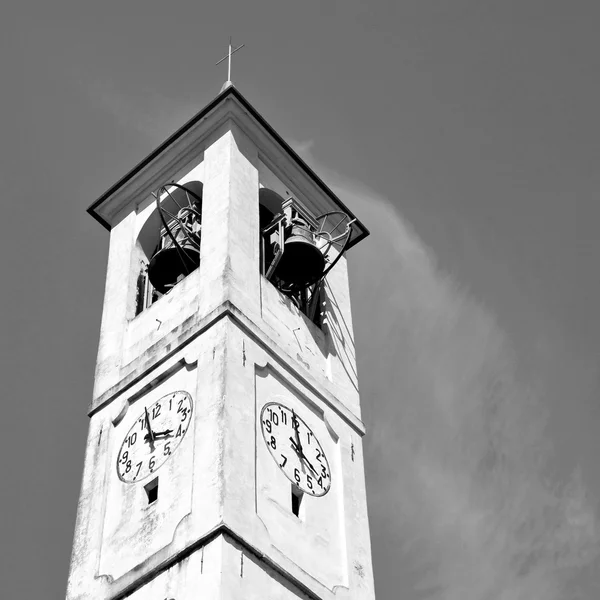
(151, 172)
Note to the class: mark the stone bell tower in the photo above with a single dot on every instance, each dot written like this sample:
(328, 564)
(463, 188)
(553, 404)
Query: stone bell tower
(224, 456)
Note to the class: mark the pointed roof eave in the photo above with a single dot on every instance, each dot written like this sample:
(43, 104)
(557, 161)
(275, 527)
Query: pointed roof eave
(228, 90)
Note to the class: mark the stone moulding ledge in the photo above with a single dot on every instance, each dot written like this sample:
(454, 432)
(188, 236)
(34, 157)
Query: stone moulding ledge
(266, 368)
(228, 310)
(220, 530)
(140, 391)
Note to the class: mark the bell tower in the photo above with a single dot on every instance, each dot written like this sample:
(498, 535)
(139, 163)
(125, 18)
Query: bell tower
(224, 454)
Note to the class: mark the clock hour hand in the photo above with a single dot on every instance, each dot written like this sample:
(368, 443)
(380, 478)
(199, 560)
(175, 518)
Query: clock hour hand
(157, 434)
(166, 433)
(295, 427)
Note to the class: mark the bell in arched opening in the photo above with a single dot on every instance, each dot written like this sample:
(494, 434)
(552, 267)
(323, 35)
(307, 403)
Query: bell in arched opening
(173, 262)
(179, 250)
(301, 263)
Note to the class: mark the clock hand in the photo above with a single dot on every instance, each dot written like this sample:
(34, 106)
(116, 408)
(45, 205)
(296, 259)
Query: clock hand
(166, 432)
(295, 427)
(298, 452)
(160, 434)
(298, 445)
(150, 436)
(311, 467)
(302, 456)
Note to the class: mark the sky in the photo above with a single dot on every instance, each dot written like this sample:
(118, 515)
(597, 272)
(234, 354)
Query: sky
(464, 135)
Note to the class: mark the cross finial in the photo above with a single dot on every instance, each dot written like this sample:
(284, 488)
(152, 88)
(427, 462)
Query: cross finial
(228, 56)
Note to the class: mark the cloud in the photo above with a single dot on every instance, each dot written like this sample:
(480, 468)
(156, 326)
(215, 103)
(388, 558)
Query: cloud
(304, 148)
(148, 112)
(462, 503)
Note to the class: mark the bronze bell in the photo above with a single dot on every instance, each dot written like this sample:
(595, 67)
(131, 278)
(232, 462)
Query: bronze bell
(174, 261)
(302, 263)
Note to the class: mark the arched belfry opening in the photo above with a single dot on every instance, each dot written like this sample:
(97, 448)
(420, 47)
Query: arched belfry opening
(169, 241)
(298, 250)
(270, 205)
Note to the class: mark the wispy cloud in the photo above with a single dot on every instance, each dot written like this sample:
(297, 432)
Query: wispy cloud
(458, 460)
(152, 113)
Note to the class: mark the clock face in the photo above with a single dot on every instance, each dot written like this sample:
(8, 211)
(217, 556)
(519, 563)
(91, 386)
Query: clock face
(295, 449)
(155, 435)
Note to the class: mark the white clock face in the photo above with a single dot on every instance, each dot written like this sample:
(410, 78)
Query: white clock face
(154, 437)
(295, 449)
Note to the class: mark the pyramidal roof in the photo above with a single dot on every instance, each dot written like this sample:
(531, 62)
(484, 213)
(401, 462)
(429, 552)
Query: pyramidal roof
(114, 198)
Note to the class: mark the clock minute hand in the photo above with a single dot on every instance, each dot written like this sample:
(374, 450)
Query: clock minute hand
(302, 456)
(151, 436)
(299, 453)
(308, 463)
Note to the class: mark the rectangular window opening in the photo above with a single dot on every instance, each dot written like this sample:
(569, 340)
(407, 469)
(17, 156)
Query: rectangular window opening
(297, 496)
(151, 490)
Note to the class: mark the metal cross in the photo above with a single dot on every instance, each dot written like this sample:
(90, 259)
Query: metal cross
(228, 56)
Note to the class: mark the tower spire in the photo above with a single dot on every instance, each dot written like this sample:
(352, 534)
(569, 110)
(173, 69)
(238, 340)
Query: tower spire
(228, 58)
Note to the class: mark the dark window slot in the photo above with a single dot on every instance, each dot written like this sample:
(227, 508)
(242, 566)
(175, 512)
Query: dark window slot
(151, 490)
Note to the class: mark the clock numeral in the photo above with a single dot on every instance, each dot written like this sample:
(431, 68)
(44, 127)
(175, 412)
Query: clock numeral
(180, 406)
(284, 460)
(128, 466)
(184, 414)
(124, 457)
(319, 455)
(131, 439)
(308, 436)
(309, 482)
(156, 411)
(297, 475)
(167, 449)
(324, 471)
(273, 443)
(320, 482)
(274, 417)
(283, 417)
(139, 468)
(152, 463)
(180, 431)
(268, 426)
